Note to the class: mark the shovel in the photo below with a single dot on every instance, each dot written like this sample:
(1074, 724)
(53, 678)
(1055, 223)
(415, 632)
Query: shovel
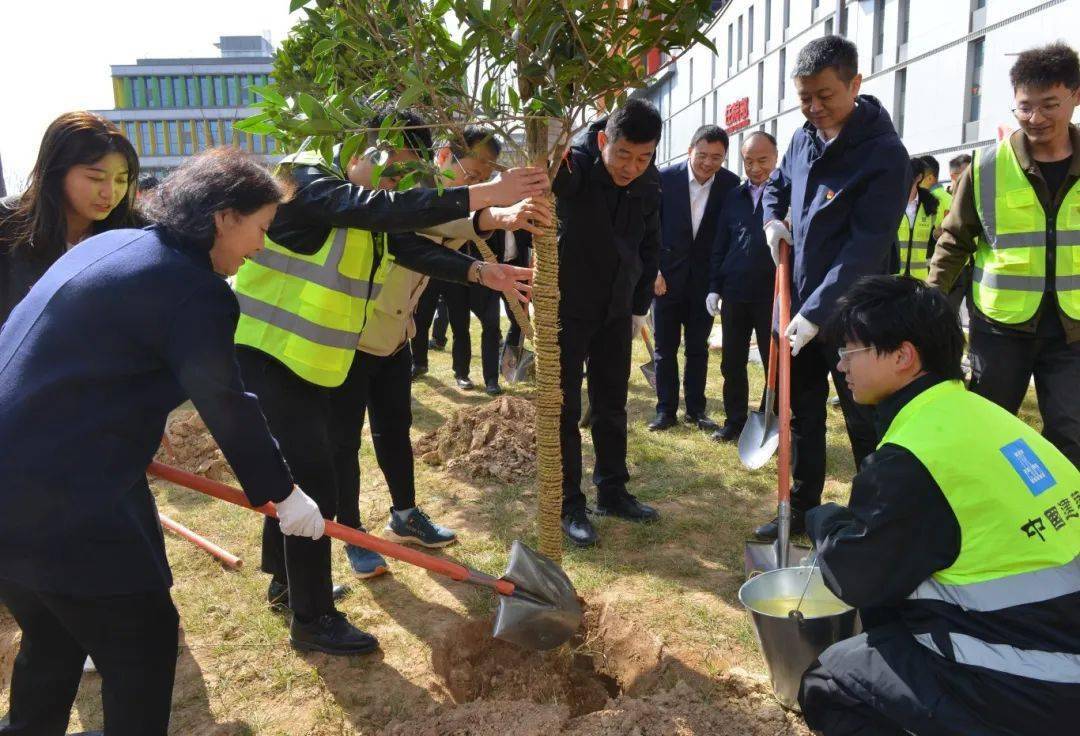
(649, 369)
(538, 607)
(761, 434)
(765, 556)
(516, 363)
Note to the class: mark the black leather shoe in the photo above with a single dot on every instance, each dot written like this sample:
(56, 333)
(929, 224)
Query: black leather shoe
(662, 421)
(418, 370)
(627, 507)
(465, 383)
(434, 344)
(702, 421)
(727, 433)
(277, 595)
(331, 633)
(770, 530)
(578, 529)
(493, 389)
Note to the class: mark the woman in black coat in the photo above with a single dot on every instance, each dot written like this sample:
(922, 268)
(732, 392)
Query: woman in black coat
(116, 334)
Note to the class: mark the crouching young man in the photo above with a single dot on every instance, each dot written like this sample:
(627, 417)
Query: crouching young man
(960, 544)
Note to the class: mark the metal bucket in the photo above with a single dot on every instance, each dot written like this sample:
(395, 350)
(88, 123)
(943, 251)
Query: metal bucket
(791, 645)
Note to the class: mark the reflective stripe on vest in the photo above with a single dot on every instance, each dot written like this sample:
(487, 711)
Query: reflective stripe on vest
(1015, 497)
(915, 243)
(1010, 257)
(1030, 663)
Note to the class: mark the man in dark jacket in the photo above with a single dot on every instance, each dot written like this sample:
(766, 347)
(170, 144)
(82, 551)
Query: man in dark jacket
(693, 192)
(608, 199)
(741, 281)
(842, 186)
(959, 546)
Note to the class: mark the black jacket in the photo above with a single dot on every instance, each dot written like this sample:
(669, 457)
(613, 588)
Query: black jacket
(118, 333)
(609, 236)
(741, 268)
(324, 201)
(20, 265)
(684, 258)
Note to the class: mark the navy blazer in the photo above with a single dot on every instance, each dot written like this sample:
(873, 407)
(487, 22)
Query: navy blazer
(844, 201)
(118, 332)
(741, 268)
(684, 259)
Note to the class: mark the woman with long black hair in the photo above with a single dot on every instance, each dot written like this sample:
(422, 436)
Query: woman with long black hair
(120, 331)
(83, 183)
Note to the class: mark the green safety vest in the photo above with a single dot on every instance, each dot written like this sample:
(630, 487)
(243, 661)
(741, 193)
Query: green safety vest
(1010, 257)
(944, 201)
(1017, 501)
(915, 242)
(308, 310)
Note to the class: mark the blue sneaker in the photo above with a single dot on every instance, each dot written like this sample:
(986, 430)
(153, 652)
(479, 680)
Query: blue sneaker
(364, 562)
(417, 528)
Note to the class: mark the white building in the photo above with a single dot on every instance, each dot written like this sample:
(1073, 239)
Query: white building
(940, 67)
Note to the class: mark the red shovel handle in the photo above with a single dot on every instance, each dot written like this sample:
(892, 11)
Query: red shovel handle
(439, 565)
(783, 276)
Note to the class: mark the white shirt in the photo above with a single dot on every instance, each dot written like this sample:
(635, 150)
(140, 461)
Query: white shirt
(699, 197)
(756, 190)
(912, 210)
(509, 247)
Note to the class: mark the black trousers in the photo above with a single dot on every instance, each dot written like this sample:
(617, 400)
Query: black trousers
(440, 324)
(884, 683)
(810, 371)
(456, 297)
(484, 303)
(672, 317)
(738, 320)
(132, 639)
(1001, 370)
(388, 404)
(606, 347)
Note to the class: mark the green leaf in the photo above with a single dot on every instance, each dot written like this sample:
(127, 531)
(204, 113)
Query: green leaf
(257, 124)
(324, 46)
(269, 94)
(311, 107)
(353, 146)
(295, 5)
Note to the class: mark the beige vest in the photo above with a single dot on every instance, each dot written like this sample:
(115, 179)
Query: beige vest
(391, 324)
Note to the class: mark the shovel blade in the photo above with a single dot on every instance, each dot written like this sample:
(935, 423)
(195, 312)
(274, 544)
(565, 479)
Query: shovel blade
(544, 611)
(759, 557)
(516, 363)
(759, 439)
(525, 366)
(649, 371)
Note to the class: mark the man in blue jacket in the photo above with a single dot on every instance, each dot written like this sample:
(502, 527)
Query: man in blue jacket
(741, 280)
(840, 190)
(693, 191)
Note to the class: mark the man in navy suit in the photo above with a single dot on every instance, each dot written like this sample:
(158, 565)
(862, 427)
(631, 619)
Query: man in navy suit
(693, 192)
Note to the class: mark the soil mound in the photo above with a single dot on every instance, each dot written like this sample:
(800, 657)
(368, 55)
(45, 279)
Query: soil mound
(494, 441)
(189, 446)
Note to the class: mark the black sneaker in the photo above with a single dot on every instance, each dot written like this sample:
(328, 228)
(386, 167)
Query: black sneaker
(626, 506)
(331, 633)
(493, 388)
(578, 529)
(662, 421)
(417, 528)
(277, 595)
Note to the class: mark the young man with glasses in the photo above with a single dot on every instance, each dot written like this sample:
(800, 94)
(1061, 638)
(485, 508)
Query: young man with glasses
(1017, 211)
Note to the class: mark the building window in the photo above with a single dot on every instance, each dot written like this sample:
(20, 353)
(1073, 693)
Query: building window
(129, 132)
(185, 138)
(234, 95)
(787, 17)
(712, 68)
(975, 69)
(174, 136)
(256, 143)
(899, 100)
(271, 145)
(140, 92)
(192, 84)
(206, 92)
(715, 107)
(814, 5)
(829, 27)
(761, 84)
(166, 92)
(740, 39)
(215, 135)
(129, 93)
(768, 20)
(245, 83)
(227, 133)
(152, 92)
(159, 136)
(703, 110)
(782, 76)
(841, 14)
(730, 45)
(200, 133)
(690, 94)
(879, 34)
(146, 145)
(903, 26)
(219, 91)
(749, 32)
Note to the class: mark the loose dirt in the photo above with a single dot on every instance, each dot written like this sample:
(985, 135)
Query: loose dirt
(189, 446)
(615, 680)
(494, 441)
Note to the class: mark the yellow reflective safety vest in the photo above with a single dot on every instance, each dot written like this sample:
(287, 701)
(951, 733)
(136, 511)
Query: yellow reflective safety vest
(308, 310)
(1017, 501)
(916, 241)
(1011, 256)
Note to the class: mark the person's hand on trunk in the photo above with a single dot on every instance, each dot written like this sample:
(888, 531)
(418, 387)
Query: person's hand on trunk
(530, 214)
(514, 281)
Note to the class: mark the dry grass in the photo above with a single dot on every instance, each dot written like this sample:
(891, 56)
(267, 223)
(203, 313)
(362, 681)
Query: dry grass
(678, 579)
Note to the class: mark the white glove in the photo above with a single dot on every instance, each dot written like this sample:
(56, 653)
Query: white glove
(800, 332)
(637, 322)
(712, 304)
(775, 233)
(300, 516)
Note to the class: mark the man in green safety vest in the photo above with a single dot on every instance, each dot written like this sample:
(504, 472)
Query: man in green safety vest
(1017, 210)
(305, 300)
(960, 546)
(918, 226)
(932, 183)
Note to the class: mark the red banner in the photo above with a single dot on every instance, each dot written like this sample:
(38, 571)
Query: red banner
(737, 115)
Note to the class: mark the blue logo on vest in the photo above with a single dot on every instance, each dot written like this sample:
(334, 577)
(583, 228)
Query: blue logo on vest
(1028, 466)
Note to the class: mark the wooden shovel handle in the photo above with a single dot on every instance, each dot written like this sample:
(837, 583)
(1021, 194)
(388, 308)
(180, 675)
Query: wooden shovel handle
(783, 275)
(439, 565)
(226, 558)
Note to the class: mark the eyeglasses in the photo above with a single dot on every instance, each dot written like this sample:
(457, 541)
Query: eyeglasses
(843, 353)
(1047, 110)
